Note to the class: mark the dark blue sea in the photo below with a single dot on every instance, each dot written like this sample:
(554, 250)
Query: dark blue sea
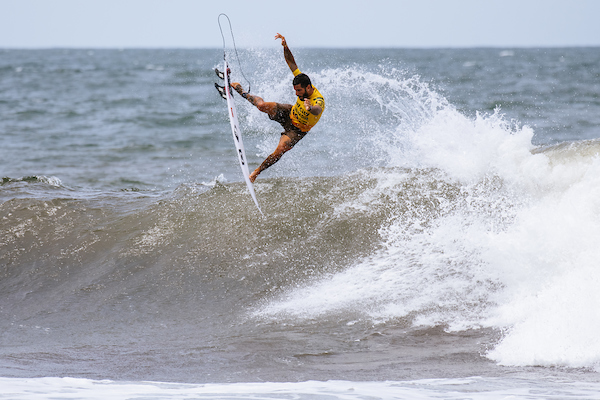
(434, 236)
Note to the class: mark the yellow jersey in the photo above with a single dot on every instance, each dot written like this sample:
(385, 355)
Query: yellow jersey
(301, 118)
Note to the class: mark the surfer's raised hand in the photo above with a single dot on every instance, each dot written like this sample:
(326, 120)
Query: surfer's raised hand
(289, 58)
(280, 36)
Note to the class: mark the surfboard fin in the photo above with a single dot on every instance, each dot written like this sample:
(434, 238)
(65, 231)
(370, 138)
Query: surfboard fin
(221, 90)
(219, 74)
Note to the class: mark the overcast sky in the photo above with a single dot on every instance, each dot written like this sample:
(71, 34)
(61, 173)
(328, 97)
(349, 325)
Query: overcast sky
(347, 23)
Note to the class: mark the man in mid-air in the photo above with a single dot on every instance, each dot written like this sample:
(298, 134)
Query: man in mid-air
(296, 119)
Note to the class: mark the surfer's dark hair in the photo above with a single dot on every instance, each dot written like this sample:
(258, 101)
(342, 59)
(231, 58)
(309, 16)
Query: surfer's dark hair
(302, 79)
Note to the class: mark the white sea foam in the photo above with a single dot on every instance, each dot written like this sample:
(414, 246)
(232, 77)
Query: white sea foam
(473, 388)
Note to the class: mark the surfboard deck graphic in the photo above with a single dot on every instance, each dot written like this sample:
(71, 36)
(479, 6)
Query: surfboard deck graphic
(225, 92)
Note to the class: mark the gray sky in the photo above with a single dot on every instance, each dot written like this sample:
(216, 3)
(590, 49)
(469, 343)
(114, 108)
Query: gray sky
(347, 23)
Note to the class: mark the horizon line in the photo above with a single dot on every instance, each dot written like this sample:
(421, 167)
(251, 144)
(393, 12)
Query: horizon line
(123, 48)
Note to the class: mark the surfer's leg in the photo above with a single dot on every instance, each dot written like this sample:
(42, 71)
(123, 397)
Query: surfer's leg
(285, 144)
(268, 107)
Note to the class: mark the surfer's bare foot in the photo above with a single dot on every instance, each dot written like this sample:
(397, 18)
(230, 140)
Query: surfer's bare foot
(237, 87)
(253, 176)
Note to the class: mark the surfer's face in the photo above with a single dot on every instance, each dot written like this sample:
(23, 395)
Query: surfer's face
(302, 93)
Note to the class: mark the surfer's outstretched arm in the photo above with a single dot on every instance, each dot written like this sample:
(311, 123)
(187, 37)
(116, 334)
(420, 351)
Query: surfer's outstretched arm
(287, 53)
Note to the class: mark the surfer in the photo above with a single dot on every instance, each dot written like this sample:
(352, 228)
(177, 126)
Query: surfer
(296, 119)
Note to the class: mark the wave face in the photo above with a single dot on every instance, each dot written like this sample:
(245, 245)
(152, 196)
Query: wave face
(406, 239)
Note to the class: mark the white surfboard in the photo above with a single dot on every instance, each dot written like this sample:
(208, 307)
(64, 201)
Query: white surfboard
(237, 136)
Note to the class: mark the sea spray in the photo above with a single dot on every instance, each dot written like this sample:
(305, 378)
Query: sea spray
(481, 231)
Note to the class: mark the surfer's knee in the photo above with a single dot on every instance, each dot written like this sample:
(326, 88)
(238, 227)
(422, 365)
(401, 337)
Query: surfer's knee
(260, 104)
(285, 144)
(268, 107)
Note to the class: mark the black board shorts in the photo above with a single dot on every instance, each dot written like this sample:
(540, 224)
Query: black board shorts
(282, 115)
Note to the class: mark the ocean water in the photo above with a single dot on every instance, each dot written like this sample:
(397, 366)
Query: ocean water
(434, 236)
